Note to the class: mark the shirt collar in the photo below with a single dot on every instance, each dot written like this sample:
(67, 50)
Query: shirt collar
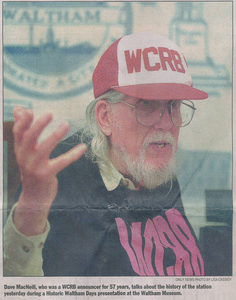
(112, 178)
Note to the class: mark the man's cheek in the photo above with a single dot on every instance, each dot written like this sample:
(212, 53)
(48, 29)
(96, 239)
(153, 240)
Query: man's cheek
(176, 137)
(175, 147)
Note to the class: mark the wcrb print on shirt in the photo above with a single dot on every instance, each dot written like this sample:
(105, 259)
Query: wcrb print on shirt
(162, 246)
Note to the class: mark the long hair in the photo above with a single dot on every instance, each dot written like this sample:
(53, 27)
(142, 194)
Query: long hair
(97, 141)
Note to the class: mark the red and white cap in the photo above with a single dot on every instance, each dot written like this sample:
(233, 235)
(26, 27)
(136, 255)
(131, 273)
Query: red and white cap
(145, 65)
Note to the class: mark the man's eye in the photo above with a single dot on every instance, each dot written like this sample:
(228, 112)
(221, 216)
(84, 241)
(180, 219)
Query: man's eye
(176, 104)
(146, 103)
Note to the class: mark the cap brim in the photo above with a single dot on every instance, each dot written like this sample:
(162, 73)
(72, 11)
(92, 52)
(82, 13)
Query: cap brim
(162, 91)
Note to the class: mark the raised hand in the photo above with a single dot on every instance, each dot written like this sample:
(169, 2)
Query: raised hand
(38, 171)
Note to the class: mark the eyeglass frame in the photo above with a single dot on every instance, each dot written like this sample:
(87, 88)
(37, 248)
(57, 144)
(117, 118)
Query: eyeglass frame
(163, 110)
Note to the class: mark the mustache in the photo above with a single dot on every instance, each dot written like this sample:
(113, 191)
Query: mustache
(157, 137)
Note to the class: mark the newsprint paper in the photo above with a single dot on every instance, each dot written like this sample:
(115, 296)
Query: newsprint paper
(96, 244)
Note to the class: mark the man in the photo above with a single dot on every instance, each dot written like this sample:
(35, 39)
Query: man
(116, 211)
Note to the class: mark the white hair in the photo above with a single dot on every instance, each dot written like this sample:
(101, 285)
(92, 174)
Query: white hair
(98, 142)
(147, 174)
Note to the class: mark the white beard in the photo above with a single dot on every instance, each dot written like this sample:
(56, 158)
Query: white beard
(146, 174)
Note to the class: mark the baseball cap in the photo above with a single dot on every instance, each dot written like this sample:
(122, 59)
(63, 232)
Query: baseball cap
(145, 65)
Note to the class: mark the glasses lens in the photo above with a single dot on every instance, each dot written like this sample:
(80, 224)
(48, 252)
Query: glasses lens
(148, 112)
(182, 112)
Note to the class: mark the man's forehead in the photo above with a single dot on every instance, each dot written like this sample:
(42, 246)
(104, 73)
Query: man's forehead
(130, 99)
(134, 100)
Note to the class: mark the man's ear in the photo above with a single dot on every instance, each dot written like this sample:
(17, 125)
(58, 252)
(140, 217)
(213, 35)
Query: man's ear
(103, 114)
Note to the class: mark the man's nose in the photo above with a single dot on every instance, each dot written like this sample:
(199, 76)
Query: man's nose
(164, 123)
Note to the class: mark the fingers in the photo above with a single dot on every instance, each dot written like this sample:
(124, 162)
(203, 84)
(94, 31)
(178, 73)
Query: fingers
(30, 154)
(64, 160)
(17, 112)
(33, 133)
(23, 119)
(46, 147)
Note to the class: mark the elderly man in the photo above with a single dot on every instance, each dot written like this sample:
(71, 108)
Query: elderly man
(117, 210)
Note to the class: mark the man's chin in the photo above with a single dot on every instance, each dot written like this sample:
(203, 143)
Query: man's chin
(157, 163)
(153, 175)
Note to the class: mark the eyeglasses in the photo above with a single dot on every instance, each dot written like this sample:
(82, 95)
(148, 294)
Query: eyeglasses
(149, 112)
